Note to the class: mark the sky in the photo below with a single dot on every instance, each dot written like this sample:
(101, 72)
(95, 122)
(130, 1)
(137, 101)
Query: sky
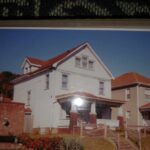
(120, 51)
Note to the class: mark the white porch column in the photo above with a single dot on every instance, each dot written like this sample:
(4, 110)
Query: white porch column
(121, 118)
(120, 111)
(93, 113)
(73, 107)
(93, 108)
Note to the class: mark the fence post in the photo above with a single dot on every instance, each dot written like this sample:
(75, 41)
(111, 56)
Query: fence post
(126, 134)
(144, 131)
(118, 141)
(81, 128)
(105, 130)
(140, 147)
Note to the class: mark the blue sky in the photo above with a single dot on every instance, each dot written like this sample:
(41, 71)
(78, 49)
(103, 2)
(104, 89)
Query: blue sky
(121, 51)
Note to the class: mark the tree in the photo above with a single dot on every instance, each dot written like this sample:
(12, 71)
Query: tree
(6, 87)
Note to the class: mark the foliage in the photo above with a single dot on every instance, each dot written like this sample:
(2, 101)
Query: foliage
(42, 143)
(6, 87)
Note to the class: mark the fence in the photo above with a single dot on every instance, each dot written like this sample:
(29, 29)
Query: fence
(136, 133)
(86, 129)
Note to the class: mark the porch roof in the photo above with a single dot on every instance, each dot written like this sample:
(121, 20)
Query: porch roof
(89, 97)
(145, 107)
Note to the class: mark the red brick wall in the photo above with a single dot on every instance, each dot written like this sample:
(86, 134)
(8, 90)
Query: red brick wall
(15, 114)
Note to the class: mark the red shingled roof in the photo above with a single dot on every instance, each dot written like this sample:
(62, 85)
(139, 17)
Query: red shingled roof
(36, 61)
(145, 107)
(130, 79)
(49, 63)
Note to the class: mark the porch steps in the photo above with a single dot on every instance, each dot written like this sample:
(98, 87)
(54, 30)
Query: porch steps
(122, 143)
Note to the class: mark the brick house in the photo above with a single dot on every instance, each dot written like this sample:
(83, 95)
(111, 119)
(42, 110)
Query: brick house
(135, 89)
(75, 84)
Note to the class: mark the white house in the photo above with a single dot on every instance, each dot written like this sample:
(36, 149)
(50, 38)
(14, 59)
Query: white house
(73, 84)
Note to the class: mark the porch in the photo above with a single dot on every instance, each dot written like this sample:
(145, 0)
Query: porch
(88, 108)
(145, 111)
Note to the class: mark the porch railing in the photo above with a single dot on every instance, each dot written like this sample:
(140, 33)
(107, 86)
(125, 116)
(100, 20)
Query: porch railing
(64, 122)
(108, 122)
(136, 132)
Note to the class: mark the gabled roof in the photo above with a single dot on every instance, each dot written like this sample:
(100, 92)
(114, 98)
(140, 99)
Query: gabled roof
(89, 97)
(145, 107)
(35, 61)
(55, 61)
(130, 79)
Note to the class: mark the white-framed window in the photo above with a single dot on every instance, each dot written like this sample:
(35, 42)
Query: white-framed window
(28, 97)
(128, 94)
(91, 64)
(65, 81)
(101, 87)
(84, 61)
(47, 81)
(147, 93)
(77, 62)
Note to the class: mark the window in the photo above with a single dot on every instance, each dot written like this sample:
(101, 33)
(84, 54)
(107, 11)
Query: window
(26, 70)
(64, 81)
(84, 61)
(128, 95)
(91, 64)
(28, 97)
(47, 81)
(77, 62)
(147, 94)
(101, 88)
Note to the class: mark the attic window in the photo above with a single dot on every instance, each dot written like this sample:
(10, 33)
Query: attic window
(77, 61)
(84, 61)
(91, 64)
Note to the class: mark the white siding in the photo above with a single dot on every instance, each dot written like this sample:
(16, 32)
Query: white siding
(46, 111)
(40, 99)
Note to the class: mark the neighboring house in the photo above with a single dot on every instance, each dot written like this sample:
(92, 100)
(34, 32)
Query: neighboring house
(75, 84)
(135, 89)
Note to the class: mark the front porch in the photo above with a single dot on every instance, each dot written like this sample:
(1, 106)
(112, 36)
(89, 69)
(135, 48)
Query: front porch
(88, 108)
(145, 111)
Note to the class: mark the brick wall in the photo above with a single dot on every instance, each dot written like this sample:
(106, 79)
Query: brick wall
(11, 118)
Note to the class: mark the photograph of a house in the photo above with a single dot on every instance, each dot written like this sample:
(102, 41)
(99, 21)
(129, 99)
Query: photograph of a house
(58, 88)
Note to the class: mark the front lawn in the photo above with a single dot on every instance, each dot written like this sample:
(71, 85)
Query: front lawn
(67, 142)
(145, 142)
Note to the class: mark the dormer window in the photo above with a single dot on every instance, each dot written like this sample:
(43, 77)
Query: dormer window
(84, 61)
(91, 64)
(77, 62)
(26, 69)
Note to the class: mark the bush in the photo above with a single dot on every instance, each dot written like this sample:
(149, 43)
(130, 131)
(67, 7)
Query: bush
(50, 143)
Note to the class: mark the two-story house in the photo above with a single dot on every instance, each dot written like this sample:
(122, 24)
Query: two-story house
(135, 89)
(73, 84)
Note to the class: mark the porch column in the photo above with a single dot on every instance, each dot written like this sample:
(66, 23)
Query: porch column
(73, 116)
(120, 117)
(93, 113)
